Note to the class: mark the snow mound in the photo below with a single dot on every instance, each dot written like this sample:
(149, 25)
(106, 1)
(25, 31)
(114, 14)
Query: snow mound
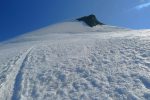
(71, 61)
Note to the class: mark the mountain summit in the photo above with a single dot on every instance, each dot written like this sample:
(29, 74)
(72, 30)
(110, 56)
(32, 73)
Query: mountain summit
(90, 20)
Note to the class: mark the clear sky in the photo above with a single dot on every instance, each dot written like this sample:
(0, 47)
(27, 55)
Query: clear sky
(21, 16)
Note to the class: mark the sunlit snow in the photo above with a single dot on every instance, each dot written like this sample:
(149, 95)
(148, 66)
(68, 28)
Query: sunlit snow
(71, 61)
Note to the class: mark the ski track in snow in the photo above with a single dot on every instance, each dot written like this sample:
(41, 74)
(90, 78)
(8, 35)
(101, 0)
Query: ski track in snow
(18, 79)
(92, 66)
(13, 67)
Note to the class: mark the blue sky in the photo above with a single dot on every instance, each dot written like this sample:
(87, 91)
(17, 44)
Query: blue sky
(21, 16)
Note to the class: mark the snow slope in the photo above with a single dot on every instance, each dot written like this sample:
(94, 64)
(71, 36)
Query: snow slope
(71, 61)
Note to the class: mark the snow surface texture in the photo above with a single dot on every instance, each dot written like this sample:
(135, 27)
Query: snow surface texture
(70, 61)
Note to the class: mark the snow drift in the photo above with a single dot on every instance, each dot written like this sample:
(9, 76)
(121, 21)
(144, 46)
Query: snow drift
(72, 61)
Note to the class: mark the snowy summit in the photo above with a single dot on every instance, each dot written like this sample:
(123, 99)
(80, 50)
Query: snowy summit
(72, 61)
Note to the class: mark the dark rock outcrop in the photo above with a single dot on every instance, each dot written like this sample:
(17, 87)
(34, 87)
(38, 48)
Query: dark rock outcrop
(90, 20)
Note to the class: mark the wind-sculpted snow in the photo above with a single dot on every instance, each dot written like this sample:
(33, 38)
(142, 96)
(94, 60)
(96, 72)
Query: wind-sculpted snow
(97, 66)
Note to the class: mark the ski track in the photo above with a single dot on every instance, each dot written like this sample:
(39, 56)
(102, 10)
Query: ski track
(8, 79)
(18, 79)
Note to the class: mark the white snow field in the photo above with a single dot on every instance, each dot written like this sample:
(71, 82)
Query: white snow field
(71, 61)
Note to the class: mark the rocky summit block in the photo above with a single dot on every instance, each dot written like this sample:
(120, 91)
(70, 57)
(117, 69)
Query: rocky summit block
(90, 20)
